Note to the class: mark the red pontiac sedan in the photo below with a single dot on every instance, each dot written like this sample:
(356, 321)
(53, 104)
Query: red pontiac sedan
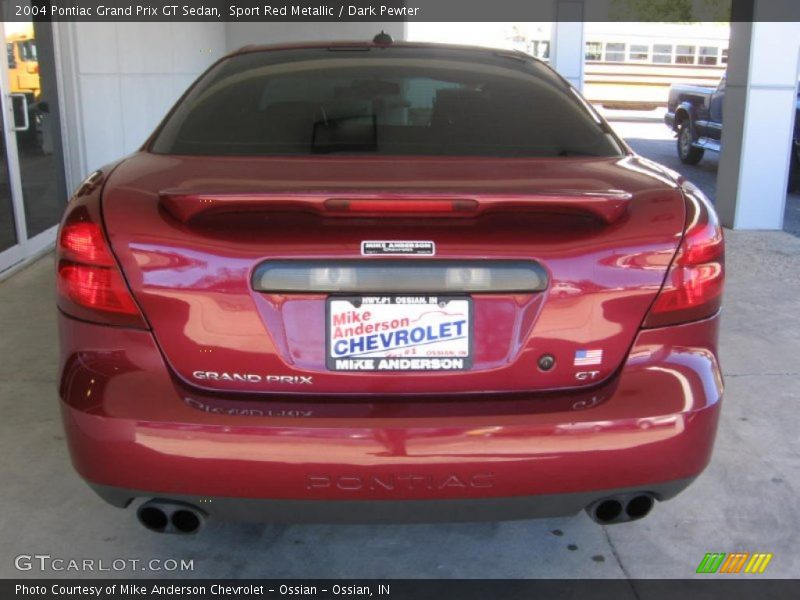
(387, 281)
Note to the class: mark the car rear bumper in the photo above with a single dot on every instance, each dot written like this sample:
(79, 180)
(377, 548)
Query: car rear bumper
(133, 431)
(395, 511)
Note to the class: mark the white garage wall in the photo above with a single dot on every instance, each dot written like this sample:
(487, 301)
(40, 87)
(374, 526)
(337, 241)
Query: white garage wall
(117, 80)
(244, 34)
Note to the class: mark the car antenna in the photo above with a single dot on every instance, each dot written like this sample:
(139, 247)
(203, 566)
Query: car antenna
(383, 39)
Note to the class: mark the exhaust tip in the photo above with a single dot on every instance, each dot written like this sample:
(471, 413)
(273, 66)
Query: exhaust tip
(185, 521)
(621, 508)
(639, 506)
(607, 511)
(170, 516)
(153, 518)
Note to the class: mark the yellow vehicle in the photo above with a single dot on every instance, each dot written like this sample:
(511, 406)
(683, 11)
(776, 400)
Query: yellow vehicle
(23, 64)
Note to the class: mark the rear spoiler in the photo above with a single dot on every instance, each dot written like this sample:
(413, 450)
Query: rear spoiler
(185, 206)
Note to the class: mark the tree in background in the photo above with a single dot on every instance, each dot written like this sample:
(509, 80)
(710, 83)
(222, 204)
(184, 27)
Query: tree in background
(671, 10)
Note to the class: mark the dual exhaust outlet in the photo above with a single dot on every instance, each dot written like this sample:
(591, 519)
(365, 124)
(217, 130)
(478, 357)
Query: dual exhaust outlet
(622, 508)
(170, 516)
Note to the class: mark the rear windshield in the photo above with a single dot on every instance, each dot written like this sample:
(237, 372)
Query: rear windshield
(393, 101)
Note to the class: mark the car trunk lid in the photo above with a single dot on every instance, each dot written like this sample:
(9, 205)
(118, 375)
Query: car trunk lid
(194, 236)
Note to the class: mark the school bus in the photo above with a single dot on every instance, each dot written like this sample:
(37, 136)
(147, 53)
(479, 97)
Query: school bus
(633, 65)
(23, 64)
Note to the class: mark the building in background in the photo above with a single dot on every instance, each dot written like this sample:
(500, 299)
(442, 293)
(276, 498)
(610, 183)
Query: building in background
(627, 65)
(632, 65)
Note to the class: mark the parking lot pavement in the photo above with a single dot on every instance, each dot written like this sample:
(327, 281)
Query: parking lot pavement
(745, 501)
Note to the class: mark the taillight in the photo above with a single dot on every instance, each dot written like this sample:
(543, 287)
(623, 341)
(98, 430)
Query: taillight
(693, 286)
(84, 241)
(90, 284)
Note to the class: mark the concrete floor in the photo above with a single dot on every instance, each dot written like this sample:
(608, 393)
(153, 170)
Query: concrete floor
(745, 501)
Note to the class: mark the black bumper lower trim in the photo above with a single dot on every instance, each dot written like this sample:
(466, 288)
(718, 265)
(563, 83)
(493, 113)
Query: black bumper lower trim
(391, 511)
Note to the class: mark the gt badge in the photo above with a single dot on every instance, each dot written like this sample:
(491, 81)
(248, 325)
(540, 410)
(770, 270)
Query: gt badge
(586, 375)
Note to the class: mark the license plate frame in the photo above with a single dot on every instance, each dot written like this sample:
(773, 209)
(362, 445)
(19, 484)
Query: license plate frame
(454, 353)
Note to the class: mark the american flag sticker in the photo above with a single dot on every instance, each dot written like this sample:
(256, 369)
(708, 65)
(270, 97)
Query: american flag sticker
(588, 357)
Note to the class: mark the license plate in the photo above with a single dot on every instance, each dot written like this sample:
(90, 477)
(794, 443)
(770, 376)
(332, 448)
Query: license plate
(399, 333)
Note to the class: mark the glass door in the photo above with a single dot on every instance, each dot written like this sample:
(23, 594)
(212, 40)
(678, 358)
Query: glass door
(32, 184)
(8, 225)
